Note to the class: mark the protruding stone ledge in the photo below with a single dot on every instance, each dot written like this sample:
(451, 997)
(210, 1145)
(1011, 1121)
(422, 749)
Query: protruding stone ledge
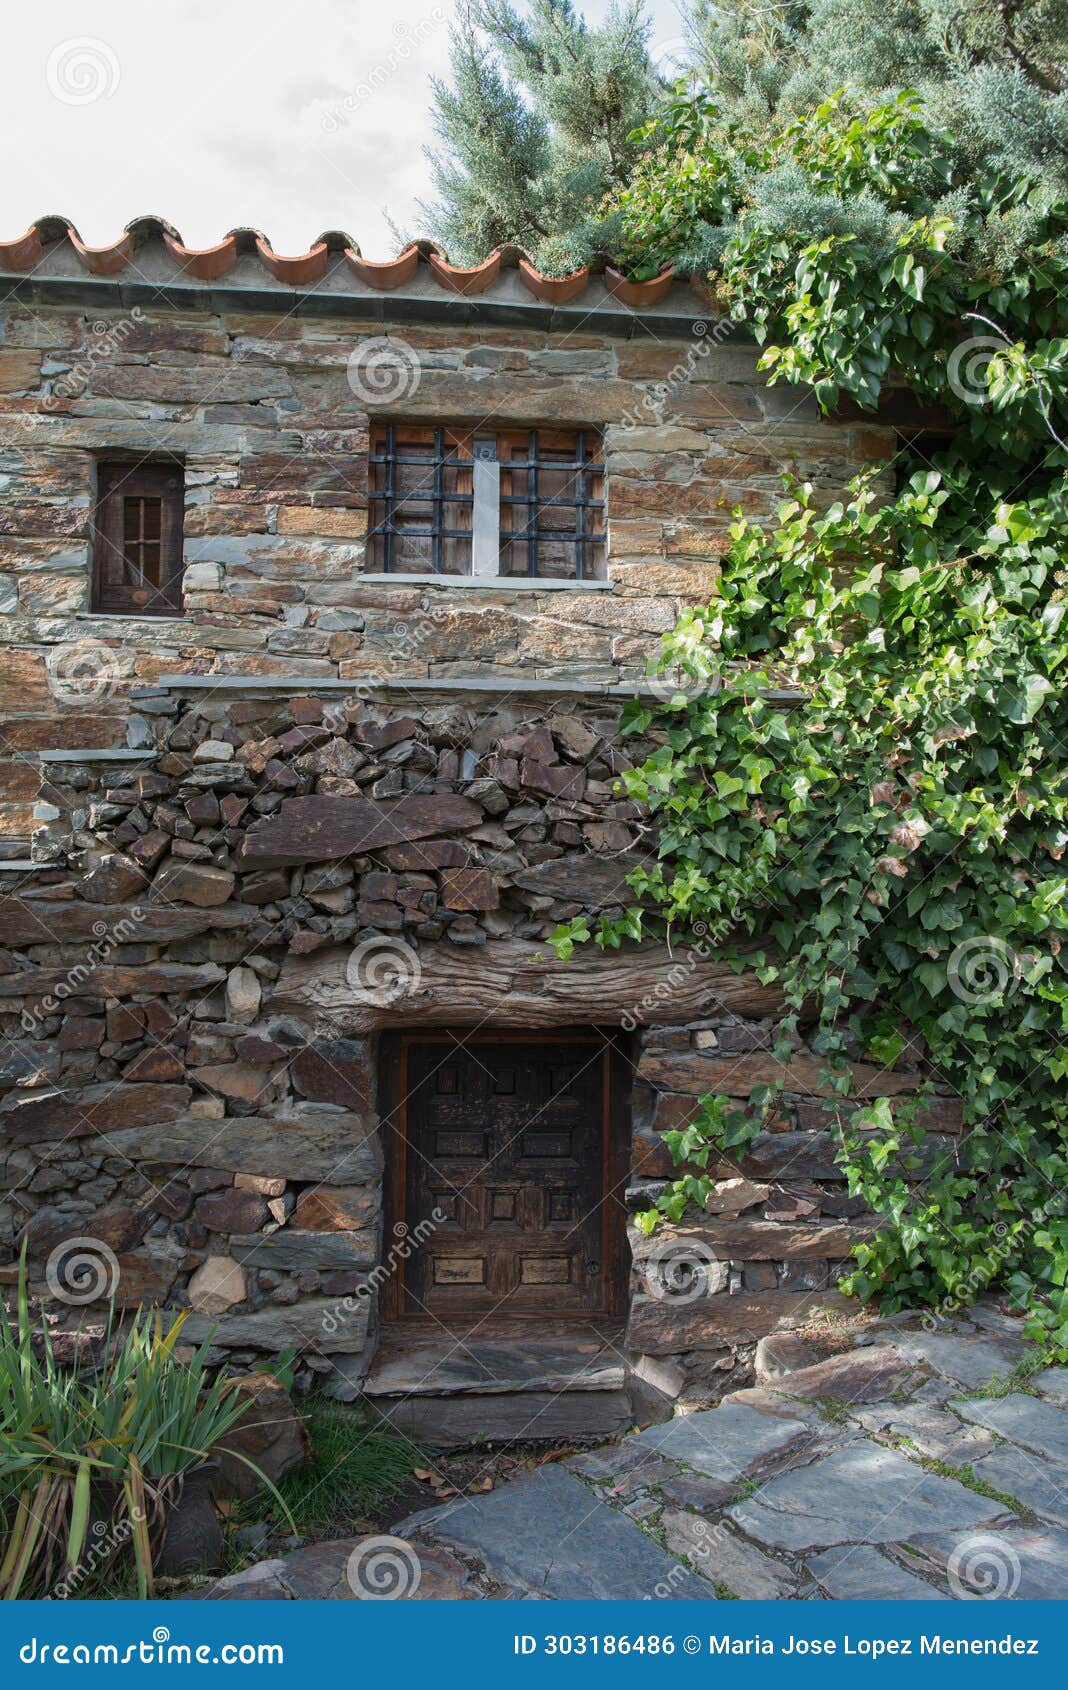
(109, 754)
(501, 684)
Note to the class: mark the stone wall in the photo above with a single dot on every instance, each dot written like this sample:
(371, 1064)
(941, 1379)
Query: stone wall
(194, 981)
(269, 411)
(318, 805)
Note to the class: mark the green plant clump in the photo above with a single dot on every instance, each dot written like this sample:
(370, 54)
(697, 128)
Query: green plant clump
(352, 1470)
(93, 1453)
(861, 788)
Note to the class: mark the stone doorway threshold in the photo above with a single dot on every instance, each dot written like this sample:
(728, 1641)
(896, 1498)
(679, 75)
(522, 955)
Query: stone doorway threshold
(508, 1381)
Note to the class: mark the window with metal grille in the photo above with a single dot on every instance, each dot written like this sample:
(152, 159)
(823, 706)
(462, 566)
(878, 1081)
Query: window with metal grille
(515, 503)
(137, 540)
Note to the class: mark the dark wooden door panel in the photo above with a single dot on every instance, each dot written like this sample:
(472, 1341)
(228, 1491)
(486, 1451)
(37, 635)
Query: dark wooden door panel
(512, 1143)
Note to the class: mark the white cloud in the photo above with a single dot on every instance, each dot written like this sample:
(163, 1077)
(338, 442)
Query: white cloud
(218, 113)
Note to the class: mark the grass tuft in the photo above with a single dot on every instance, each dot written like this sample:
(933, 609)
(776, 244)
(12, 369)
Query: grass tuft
(353, 1469)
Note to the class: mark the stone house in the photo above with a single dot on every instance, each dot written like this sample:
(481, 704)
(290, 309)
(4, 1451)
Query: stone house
(322, 583)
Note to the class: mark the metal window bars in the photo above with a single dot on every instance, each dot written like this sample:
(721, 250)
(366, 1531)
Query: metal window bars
(396, 448)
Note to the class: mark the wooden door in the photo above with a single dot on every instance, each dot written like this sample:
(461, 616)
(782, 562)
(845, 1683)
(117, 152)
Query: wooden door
(516, 1145)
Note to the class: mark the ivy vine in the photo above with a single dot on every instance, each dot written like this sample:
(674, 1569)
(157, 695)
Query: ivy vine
(861, 790)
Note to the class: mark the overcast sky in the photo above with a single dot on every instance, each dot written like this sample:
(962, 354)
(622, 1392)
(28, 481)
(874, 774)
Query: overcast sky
(218, 113)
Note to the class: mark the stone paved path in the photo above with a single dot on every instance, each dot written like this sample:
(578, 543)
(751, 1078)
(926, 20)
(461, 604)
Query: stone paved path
(919, 1465)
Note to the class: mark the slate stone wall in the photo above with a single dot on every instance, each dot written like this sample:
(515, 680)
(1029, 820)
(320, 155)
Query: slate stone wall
(269, 412)
(195, 980)
(371, 770)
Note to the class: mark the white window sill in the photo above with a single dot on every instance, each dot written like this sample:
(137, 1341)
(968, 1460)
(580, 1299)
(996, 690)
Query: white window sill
(126, 616)
(488, 583)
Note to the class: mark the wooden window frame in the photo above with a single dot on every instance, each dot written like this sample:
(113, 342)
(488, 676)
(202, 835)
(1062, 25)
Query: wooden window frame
(496, 500)
(119, 480)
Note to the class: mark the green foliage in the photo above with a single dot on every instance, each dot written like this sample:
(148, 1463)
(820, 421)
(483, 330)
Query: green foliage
(852, 240)
(352, 1470)
(105, 1441)
(536, 127)
(785, 58)
(870, 202)
(889, 850)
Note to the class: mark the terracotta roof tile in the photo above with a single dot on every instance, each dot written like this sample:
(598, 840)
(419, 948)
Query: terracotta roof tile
(418, 261)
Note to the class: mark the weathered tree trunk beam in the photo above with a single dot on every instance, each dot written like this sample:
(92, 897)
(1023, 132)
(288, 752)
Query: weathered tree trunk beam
(515, 985)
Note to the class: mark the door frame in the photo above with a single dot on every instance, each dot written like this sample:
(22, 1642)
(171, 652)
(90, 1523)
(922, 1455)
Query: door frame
(615, 1153)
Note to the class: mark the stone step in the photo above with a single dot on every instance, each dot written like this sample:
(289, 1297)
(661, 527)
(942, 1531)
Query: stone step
(446, 1392)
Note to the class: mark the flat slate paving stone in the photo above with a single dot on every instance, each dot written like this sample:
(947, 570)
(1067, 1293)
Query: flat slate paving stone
(855, 1572)
(726, 1558)
(724, 1442)
(863, 1375)
(860, 1493)
(1053, 1383)
(934, 1432)
(1033, 1482)
(551, 1534)
(971, 1361)
(1015, 1563)
(261, 1583)
(1038, 1425)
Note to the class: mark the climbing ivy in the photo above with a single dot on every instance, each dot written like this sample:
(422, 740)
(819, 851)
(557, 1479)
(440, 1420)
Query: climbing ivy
(861, 789)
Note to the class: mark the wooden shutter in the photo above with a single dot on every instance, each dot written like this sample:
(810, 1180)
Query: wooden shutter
(137, 540)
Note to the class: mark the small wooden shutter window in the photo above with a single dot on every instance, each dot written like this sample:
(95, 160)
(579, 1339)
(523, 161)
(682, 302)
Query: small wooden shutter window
(137, 545)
